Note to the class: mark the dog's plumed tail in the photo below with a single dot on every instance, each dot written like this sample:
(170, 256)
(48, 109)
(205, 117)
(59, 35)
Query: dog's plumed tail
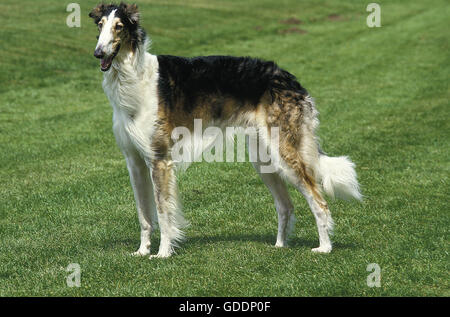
(338, 177)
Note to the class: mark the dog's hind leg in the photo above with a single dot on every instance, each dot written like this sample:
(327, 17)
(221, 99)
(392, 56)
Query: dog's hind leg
(283, 204)
(277, 187)
(298, 175)
(298, 154)
(145, 200)
(322, 215)
(170, 217)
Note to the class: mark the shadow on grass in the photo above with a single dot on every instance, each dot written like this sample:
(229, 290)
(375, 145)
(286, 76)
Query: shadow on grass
(294, 242)
(192, 242)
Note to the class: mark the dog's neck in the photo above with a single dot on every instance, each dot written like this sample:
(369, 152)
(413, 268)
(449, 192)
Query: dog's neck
(131, 79)
(130, 59)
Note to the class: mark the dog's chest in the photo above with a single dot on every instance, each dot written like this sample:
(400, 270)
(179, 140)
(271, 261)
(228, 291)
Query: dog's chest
(135, 102)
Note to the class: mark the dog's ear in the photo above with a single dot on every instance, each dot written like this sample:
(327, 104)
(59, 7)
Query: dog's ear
(130, 11)
(97, 12)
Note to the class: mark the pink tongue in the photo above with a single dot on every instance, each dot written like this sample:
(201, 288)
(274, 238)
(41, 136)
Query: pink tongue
(105, 62)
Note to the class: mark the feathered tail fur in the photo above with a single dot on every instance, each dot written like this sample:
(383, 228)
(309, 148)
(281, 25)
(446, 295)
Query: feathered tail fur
(338, 177)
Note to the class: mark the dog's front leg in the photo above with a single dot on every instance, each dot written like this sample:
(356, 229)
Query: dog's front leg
(145, 200)
(170, 217)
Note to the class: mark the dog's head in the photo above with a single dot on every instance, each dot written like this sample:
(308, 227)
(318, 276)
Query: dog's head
(119, 27)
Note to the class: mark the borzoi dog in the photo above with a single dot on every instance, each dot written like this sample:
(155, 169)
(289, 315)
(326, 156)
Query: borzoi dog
(152, 95)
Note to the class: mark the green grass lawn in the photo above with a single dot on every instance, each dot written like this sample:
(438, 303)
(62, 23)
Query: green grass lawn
(383, 95)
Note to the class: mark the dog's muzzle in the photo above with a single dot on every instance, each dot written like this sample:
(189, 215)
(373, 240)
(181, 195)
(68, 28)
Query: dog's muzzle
(105, 61)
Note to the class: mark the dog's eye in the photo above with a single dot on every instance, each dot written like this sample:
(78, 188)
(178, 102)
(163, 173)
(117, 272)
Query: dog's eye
(119, 27)
(100, 25)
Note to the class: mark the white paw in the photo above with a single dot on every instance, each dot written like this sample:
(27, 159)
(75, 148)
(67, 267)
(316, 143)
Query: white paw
(281, 244)
(326, 249)
(140, 252)
(159, 256)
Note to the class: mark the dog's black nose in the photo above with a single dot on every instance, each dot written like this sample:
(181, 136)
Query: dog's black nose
(99, 53)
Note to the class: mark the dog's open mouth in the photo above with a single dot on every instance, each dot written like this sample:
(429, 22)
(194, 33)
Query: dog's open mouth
(105, 63)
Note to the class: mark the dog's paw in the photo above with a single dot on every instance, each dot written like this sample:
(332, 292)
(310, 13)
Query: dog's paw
(141, 252)
(326, 249)
(162, 254)
(280, 244)
(159, 256)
